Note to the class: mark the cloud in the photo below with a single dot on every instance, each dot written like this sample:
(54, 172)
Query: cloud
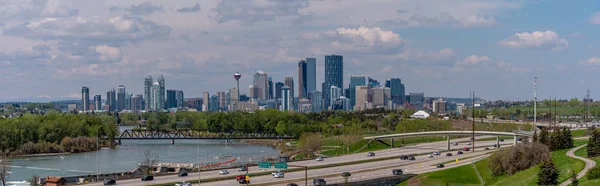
(195, 8)
(473, 60)
(474, 21)
(146, 8)
(114, 29)
(359, 39)
(87, 70)
(443, 20)
(595, 18)
(253, 11)
(536, 40)
(591, 61)
(442, 55)
(29, 56)
(33, 9)
(108, 54)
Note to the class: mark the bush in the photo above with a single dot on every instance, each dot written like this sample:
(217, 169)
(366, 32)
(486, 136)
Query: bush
(521, 157)
(548, 174)
(593, 173)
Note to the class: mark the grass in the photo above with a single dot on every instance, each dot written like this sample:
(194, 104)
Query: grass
(463, 175)
(545, 109)
(335, 146)
(500, 127)
(584, 181)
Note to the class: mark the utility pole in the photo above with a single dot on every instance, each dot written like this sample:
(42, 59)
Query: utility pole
(98, 156)
(534, 103)
(587, 107)
(473, 121)
(199, 166)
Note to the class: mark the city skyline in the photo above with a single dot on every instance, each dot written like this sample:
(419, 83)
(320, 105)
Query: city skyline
(443, 48)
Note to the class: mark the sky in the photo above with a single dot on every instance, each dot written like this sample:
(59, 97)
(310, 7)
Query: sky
(51, 48)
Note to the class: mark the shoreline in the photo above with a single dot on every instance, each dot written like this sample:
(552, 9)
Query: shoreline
(43, 154)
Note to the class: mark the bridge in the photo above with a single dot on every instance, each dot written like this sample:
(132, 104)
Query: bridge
(514, 134)
(197, 134)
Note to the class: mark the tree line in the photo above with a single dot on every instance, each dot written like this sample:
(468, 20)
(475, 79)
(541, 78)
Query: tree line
(560, 139)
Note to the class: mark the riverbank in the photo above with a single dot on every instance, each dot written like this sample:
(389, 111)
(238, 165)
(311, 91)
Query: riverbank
(44, 154)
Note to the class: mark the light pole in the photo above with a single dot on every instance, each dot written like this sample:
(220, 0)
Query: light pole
(199, 160)
(98, 155)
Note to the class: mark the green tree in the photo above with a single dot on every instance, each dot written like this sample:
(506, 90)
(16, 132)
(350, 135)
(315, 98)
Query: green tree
(548, 174)
(543, 139)
(593, 147)
(574, 181)
(535, 136)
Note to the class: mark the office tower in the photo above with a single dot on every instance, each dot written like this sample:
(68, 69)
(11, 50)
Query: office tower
(198, 104)
(222, 101)
(362, 97)
(335, 93)
(341, 103)
(373, 83)
(286, 101)
(311, 76)
(237, 77)
(121, 98)
(416, 98)
(128, 97)
(355, 80)
(233, 98)
(85, 98)
(214, 103)
(302, 79)
(98, 102)
(252, 92)
(270, 88)
(111, 100)
(244, 97)
(180, 99)
(261, 85)
(278, 87)
(205, 101)
(171, 99)
(157, 105)
(161, 96)
(316, 101)
(397, 90)
(148, 92)
(289, 81)
(136, 103)
(439, 106)
(334, 74)
(380, 97)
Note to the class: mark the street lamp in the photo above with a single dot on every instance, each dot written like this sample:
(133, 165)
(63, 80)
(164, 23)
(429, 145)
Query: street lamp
(199, 160)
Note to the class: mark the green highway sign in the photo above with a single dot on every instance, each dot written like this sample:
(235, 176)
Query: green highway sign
(281, 165)
(264, 165)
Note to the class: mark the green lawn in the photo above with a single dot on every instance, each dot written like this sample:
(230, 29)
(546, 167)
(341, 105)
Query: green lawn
(545, 109)
(584, 181)
(463, 175)
(335, 146)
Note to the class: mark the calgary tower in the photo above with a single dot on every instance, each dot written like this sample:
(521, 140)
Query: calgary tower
(237, 77)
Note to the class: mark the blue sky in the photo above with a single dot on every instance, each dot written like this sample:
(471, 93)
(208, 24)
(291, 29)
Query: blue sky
(51, 48)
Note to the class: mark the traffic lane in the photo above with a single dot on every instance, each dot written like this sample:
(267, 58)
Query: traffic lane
(421, 161)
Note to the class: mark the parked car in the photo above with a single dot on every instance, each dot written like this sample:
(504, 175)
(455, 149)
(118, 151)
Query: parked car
(487, 148)
(110, 182)
(403, 157)
(183, 183)
(147, 178)
(223, 172)
(448, 154)
(319, 159)
(466, 149)
(182, 174)
(459, 153)
(319, 181)
(279, 175)
(411, 158)
(275, 172)
(242, 169)
(370, 154)
(397, 171)
(292, 184)
(440, 166)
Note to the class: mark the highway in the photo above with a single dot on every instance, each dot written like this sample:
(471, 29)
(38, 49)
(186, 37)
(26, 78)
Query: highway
(392, 152)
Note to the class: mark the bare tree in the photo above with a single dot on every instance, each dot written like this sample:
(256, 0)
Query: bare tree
(4, 167)
(311, 142)
(148, 162)
(34, 180)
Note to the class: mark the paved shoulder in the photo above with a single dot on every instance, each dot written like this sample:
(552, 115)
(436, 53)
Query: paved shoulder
(588, 164)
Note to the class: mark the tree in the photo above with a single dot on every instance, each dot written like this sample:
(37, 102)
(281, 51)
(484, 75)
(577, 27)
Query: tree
(535, 136)
(311, 142)
(148, 159)
(548, 174)
(543, 139)
(4, 168)
(34, 180)
(574, 181)
(593, 147)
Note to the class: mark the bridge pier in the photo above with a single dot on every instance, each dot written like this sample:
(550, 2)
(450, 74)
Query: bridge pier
(392, 146)
(172, 141)
(448, 142)
(119, 141)
(498, 141)
(515, 140)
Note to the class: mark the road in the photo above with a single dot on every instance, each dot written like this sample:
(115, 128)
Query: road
(392, 152)
(588, 164)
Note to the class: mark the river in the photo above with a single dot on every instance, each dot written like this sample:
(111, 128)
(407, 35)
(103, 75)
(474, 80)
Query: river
(126, 157)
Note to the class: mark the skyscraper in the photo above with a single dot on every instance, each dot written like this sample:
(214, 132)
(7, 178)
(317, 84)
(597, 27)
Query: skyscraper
(397, 90)
(121, 98)
(380, 97)
(261, 84)
(233, 98)
(214, 103)
(222, 101)
(161, 95)
(180, 99)
(252, 92)
(270, 88)
(373, 83)
(98, 102)
(289, 81)
(302, 79)
(171, 99)
(111, 100)
(311, 75)
(85, 98)
(316, 100)
(205, 101)
(136, 103)
(157, 104)
(362, 97)
(286, 101)
(355, 80)
(148, 92)
(278, 87)
(334, 74)
(128, 97)
(335, 93)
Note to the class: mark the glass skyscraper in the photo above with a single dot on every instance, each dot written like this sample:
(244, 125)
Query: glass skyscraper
(302, 79)
(148, 93)
(278, 87)
(355, 80)
(121, 98)
(85, 98)
(397, 90)
(171, 99)
(316, 101)
(334, 75)
(311, 75)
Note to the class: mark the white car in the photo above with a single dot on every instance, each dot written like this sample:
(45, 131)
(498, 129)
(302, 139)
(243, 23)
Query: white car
(279, 175)
(319, 159)
(183, 183)
(469, 143)
(276, 172)
(430, 156)
(436, 153)
(223, 172)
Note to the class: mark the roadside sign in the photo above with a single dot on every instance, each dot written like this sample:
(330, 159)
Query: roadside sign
(264, 165)
(456, 160)
(247, 178)
(281, 165)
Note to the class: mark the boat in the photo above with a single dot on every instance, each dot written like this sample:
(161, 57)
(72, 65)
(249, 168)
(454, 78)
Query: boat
(62, 157)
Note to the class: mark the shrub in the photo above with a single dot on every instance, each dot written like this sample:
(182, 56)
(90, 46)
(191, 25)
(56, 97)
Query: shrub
(521, 157)
(593, 173)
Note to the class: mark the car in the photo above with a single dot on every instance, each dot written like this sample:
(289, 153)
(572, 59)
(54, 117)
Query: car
(411, 158)
(455, 143)
(242, 169)
(459, 152)
(430, 156)
(397, 171)
(147, 178)
(292, 184)
(486, 148)
(440, 165)
(471, 138)
(520, 139)
(243, 181)
(223, 172)
(110, 182)
(403, 157)
(182, 174)
(370, 154)
(466, 149)
(496, 146)
(240, 177)
(448, 154)
(469, 143)
(279, 175)
(276, 172)
(502, 140)
(436, 153)
(319, 181)
(183, 183)
(319, 159)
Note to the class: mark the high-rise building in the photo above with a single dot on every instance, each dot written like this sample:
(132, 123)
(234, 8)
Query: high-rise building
(252, 92)
(180, 99)
(270, 88)
(85, 98)
(416, 98)
(161, 96)
(335, 93)
(111, 100)
(148, 92)
(289, 81)
(439, 106)
(261, 84)
(355, 80)
(302, 79)
(362, 97)
(278, 87)
(205, 101)
(136, 103)
(98, 102)
(128, 97)
(311, 76)
(171, 99)
(233, 98)
(397, 90)
(157, 104)
(286, 101)
(341, 103)
(121, 98)
(214, 103)
(381, 97)
(222, 101)
(198, 104)
(316, 100)
(373, 83)
(334, 74)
